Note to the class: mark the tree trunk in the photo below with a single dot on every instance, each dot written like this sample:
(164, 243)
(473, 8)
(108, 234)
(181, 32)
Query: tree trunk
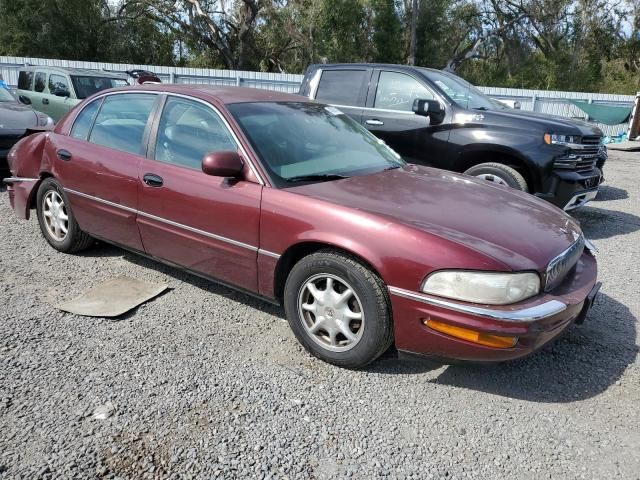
(414, 23)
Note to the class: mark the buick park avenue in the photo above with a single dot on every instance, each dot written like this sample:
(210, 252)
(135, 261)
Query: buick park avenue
(295, 202)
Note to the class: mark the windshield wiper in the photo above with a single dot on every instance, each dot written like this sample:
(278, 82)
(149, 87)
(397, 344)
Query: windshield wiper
(322, 177)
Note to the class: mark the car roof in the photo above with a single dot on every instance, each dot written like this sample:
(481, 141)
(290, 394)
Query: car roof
(371, 65)
(223, 94)
(75, 71)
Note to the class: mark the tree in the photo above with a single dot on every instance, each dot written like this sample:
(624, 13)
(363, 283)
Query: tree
(387, 31)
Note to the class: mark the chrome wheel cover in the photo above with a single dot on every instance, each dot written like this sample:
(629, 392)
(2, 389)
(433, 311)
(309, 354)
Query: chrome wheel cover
(331, 312)
(490, 177)
(56, 218)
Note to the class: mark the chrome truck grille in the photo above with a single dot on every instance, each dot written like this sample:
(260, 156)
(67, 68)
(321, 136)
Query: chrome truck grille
(581, 157)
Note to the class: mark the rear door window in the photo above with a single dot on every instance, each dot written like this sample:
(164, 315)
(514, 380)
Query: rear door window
(397, 91)
(40, 82)
(25, 79)
(121, 122)
(84, 121)
(340, 87)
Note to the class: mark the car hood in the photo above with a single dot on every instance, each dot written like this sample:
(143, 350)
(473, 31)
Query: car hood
(544, 122)
(514, 228)
(15, 116)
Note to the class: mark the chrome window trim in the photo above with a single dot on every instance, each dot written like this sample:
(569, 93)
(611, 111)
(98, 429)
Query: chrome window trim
(175, 224)
(19, 179)
(403, 112)
(530, 314)
(259, 177)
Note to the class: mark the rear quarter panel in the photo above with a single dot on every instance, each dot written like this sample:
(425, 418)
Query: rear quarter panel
(27, 159)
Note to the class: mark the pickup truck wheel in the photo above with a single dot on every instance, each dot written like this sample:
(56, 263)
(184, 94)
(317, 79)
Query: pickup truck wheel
(338, 309)
(500, 174)
(57, 223)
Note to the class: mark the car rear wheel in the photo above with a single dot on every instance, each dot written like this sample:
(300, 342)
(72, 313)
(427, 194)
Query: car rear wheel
(338, 309)
(500, 174)
(57, 223)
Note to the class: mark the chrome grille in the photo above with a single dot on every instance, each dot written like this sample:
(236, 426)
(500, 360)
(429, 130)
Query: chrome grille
(560, 266)
(581, 157)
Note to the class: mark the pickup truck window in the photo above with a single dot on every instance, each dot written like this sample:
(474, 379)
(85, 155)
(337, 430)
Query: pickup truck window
(340, 87)
(397, 91)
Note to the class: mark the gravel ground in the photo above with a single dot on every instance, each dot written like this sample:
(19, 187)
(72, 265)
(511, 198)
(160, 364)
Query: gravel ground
(204, 382)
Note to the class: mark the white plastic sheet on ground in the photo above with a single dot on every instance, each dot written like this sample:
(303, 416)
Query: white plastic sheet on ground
(113, 298)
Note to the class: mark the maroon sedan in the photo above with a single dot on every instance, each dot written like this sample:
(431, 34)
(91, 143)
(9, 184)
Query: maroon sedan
(294, 202)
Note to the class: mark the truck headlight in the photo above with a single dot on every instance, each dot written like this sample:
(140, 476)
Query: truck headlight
(560, 139)
(483, 287)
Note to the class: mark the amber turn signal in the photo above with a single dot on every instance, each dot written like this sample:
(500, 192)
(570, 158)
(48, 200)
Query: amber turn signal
(496, 341)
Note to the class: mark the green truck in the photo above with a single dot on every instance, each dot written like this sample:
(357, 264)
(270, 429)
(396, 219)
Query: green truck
(55, 90)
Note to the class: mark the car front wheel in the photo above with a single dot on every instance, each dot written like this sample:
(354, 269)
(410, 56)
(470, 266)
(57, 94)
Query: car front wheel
(57, 223)
(500, 174)
(338, 309)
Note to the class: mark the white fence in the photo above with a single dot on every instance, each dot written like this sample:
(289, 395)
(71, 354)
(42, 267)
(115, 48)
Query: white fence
(542, 101)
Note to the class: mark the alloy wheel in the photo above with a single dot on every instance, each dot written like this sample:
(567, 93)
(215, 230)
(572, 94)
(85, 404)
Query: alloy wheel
(55, 214)
(489, 177)
(331, 312)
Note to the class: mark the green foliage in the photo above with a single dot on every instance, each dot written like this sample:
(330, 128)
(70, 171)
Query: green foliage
(589, 45)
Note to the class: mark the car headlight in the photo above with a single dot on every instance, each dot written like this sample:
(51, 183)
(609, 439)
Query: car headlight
(483, 287)
(560, 139)
(45, 121)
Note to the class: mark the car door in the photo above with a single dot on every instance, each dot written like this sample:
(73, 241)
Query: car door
(389, 116)
(343, 88)
(207, 224)
(39, 98)
(59, 96)
(97, 164)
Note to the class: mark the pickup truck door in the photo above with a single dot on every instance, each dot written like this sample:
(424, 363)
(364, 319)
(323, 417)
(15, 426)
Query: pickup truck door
(388, 115)
(343, 88)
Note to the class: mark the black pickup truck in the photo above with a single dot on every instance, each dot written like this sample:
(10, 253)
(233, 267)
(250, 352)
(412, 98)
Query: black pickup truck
(435, 118)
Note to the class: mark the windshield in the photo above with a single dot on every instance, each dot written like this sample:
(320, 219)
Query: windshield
(462, 92)
(87, 86)
(296, 141)
(6, 96)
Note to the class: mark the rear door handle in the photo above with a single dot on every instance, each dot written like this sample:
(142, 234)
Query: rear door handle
(64, 155)
(375, 122)
(152, 180)
(45, 101)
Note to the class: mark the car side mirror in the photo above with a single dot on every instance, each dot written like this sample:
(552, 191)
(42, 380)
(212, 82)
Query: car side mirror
(223, 164)
(24, 100)
(60, 91)
(516, 105)
(429, 108)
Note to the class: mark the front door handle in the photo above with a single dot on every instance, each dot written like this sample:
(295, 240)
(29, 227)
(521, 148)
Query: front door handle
(45, 101)
(64, 155)
(374, 122)
(152, 180)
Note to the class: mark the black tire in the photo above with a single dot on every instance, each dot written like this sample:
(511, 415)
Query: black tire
(509, 175)
(75, 239)
(370, 291)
